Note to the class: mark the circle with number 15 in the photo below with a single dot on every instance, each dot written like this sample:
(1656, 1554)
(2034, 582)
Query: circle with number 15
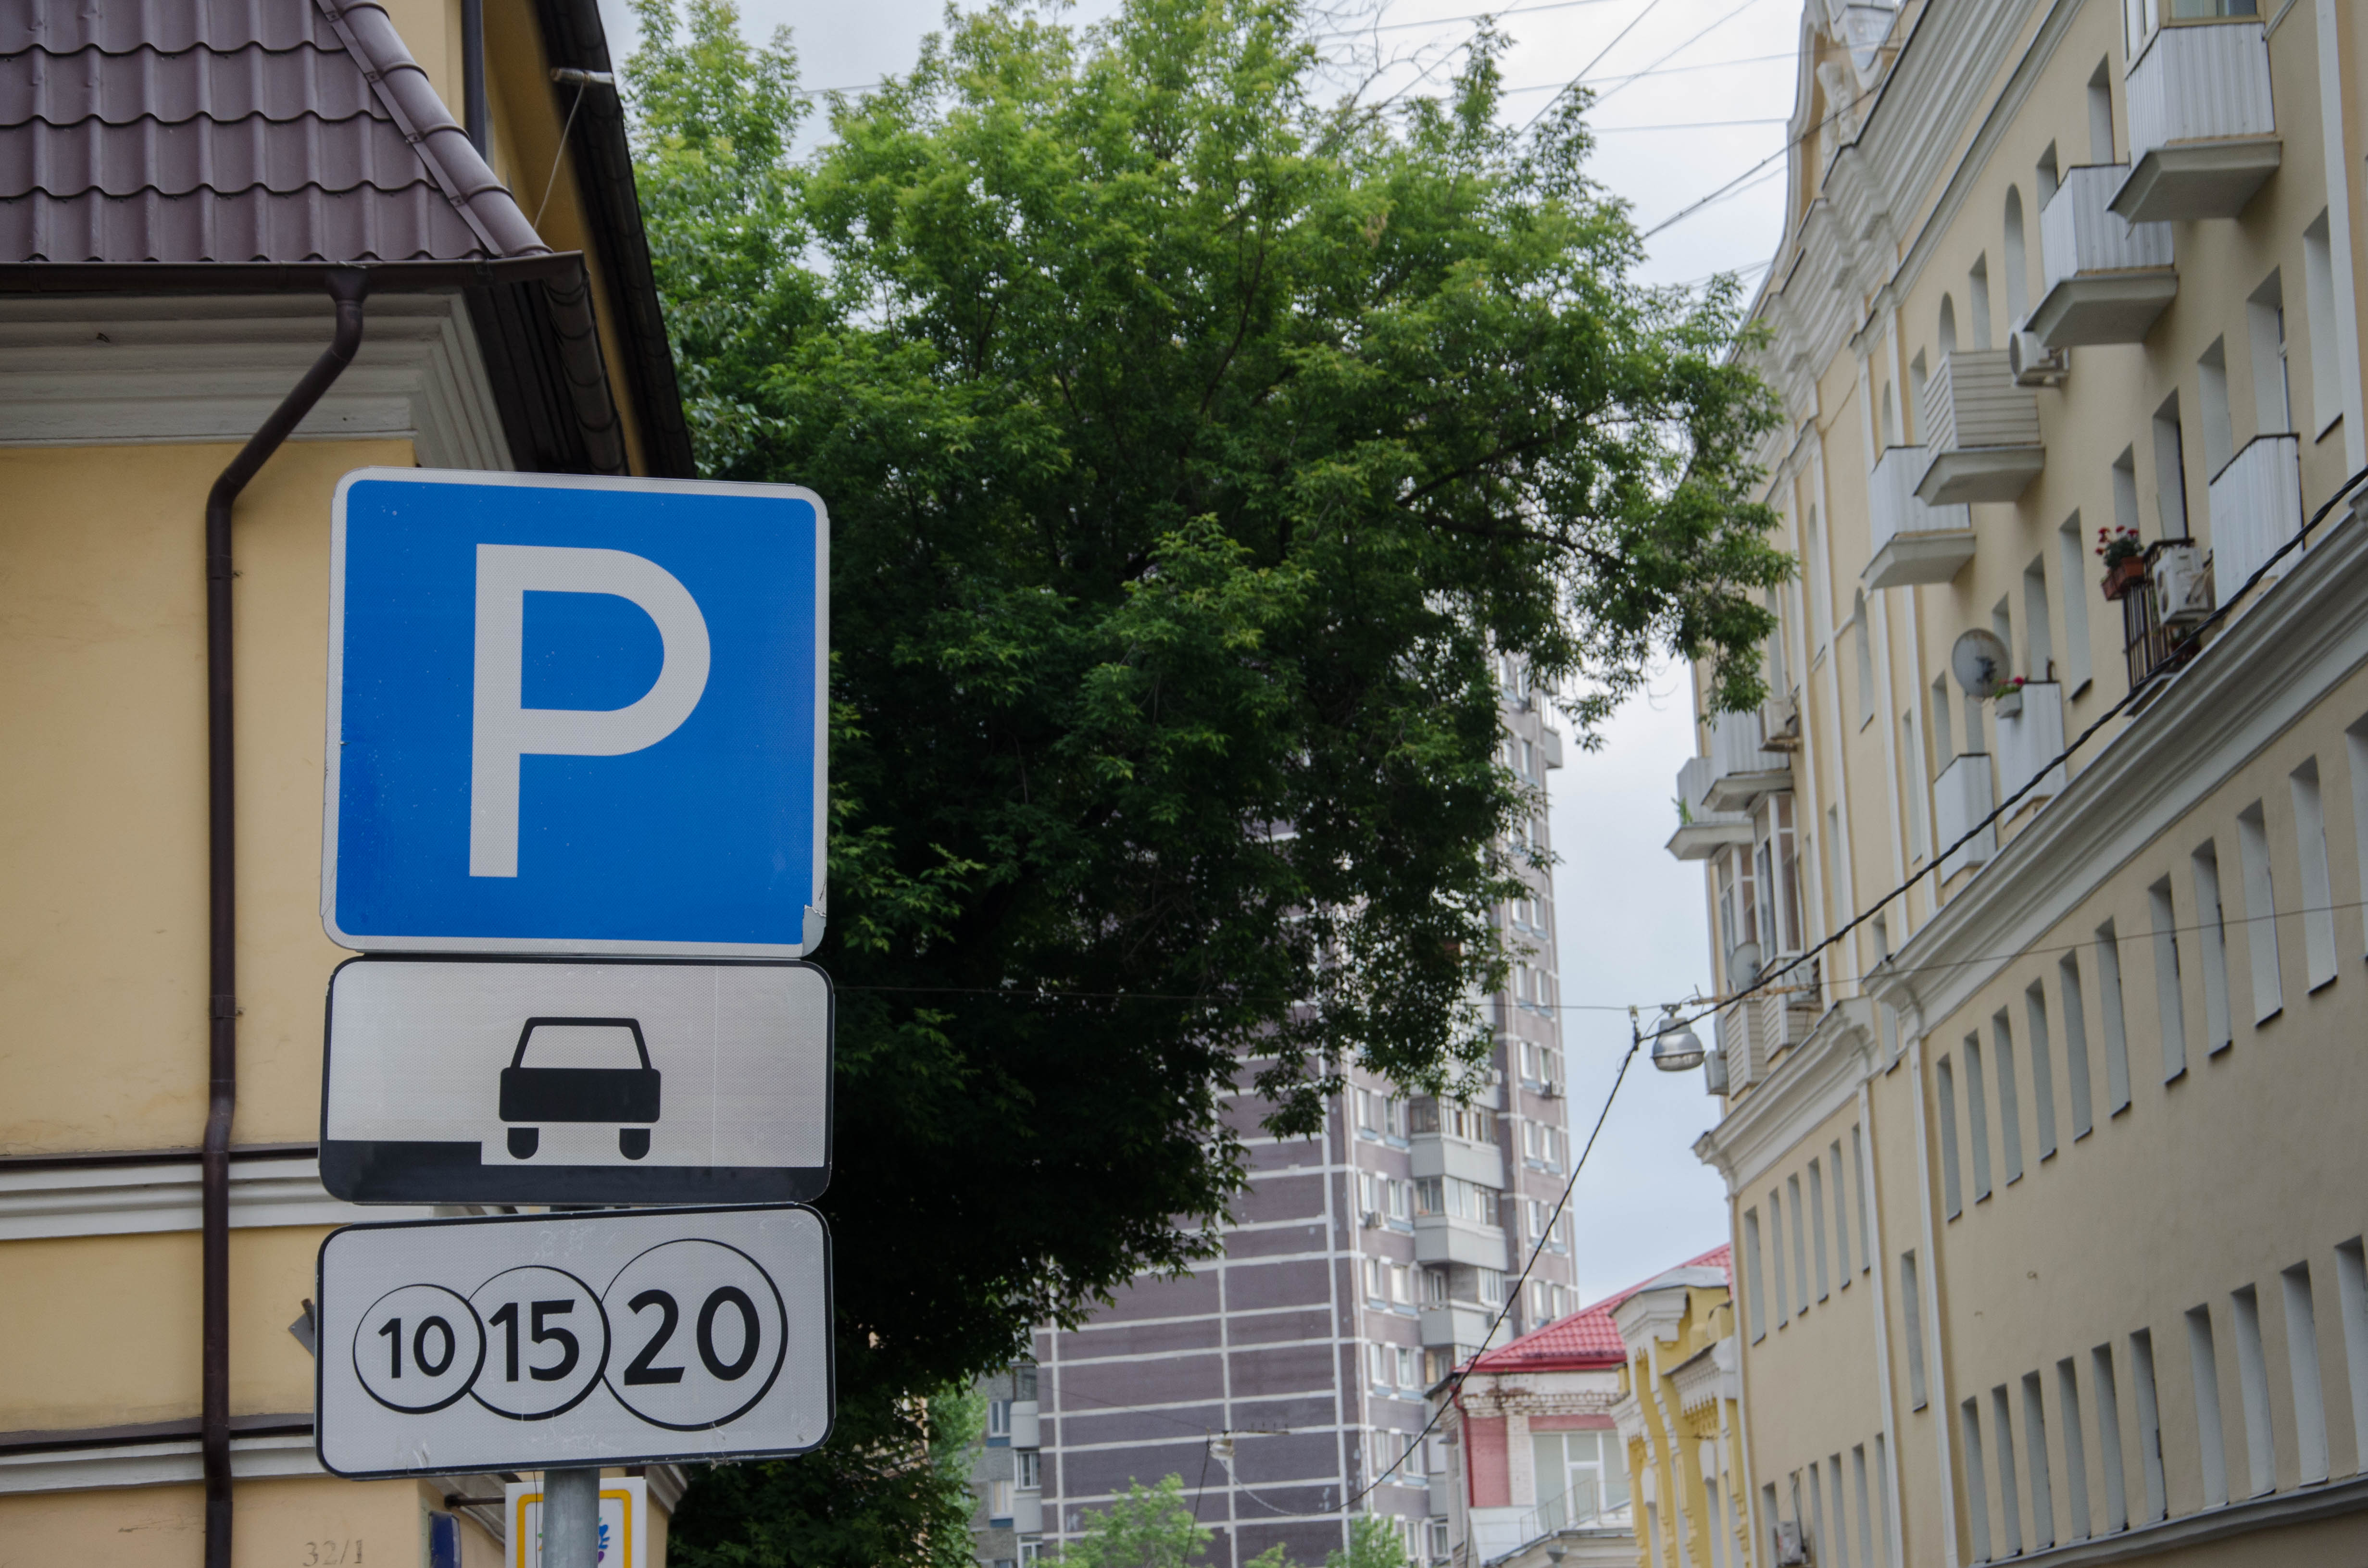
(547, 1342)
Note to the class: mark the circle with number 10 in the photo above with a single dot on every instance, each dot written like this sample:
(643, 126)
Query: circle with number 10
(701, 1334)
(418, 1348)
(547, 1342)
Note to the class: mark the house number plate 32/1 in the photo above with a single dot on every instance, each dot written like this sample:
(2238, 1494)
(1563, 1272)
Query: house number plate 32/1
(545, 1340)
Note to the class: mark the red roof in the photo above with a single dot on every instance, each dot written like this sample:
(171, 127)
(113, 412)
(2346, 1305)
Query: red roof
(1587, 1340)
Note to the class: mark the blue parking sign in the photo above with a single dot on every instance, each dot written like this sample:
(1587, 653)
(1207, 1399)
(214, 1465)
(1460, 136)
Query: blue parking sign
(576, 715)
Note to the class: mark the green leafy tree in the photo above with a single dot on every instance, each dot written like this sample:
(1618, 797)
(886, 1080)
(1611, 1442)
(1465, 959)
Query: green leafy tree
(1197, 453)
(1148, 1527)
(1373, 1542)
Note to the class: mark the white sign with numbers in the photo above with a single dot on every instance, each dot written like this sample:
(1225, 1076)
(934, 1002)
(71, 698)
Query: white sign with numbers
(549, 1340)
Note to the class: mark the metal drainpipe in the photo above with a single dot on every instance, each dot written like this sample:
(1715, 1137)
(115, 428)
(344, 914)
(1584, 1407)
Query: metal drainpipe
(346, 287)
(473, 73)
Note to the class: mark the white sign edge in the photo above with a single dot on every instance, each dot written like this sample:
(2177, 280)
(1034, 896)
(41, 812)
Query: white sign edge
(830, 1335)
(817, 904)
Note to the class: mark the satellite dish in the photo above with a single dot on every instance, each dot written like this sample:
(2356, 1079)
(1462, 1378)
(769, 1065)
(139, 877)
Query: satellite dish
(1980, 661)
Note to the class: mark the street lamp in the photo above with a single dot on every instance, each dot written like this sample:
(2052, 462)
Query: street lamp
(1676, 1047)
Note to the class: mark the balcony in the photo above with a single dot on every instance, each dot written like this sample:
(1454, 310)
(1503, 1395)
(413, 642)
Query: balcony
(1442, 1238)
(2256, 506)
(1785, 1016)
(1028, 1513)
(2030, 737)
(2203, 136)
(1743, 767)
(2105, 278)
(1702, 833)
(1962, 797)
(1981, 431)
(1027, 1427)
(2157, 630)
(1912, 542)
(1462, 1323)
(1436, 1154)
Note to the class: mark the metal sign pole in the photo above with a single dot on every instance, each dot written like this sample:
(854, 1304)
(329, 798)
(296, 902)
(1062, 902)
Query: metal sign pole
(570, 1518)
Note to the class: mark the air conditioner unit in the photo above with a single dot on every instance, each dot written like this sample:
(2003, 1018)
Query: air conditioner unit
(1714, 1074)
(1551, 1088)
(1371, 1219)
(2182, 590)
(2033, 363)
(1791, 1545)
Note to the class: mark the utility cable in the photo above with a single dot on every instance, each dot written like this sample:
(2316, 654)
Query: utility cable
(1455, 1380)
(2189, 646)
(1650, 6)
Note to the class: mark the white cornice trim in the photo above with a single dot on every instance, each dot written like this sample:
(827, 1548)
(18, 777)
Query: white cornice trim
(136, 369)
(177, 1463)
(2268, 669)
(1818, 1078)
(2279, 1509)
(117, 1200)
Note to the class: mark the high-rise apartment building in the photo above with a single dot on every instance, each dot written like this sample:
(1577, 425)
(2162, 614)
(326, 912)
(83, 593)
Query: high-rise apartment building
(1281, 1380)
(2037, 885)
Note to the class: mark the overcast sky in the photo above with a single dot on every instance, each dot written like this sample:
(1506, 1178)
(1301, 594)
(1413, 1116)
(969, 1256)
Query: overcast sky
(1633, 920)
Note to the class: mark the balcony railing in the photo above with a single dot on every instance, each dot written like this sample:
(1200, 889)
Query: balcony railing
(1962, 797)
(2256, 506)
(2152, 642)
(1702, 833)
(1441, 1238)
(2031, 737)
(1912, 542)
(2203, 136)
(1980, 430)
(1743, 767)
(2107, 279)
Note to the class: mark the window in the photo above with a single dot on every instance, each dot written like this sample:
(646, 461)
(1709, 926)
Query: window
(1817, 1224)
(1911, 1316)
(2212, 947)
(2035, 1446)
(2010, 1098)
(2100, 111)
(1368, 1113)
(2170, 1010)
(2009, 1504)
(2017, 262)
(1977, 1486)
(1841, 1212)
(998, 1499)
(2204, 1364)
(998, 1418)
(2317, 892)
(1977, 1116)
(2149, 1421)
(1865, 658)
(2076, 1453)
(1948, 336)
(1434, 1286)
(1945, 1111)
(2108, 1000)
(2302, 1370)
(1776, 863)
(2265, 323)
(2076, 1045)
(1377, 1365)
(1490, 1284)
(2043, 1067)
(2047, 177)
(2319, 285)
(2212, 406)
(2170, 470)
(2351, 1299)
(2261, 910)
(1865, 1222)
(1920, 847)
(1816, 1505)
(1030, 1471)
(1032, 1550)
(1410, 1374)
(1978, 301)
(1757, 1304)
(1776, 1255)
(1584, 1474)
(1393, 1117)
(1800, 1242)
(2253, 1388)
(1401, 1285)
(1377, 1283)
(2072, 564)
(1867, 1549)
(2108, 1439)
(2038, 628)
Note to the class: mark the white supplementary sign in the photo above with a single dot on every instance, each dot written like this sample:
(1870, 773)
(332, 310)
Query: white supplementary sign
(483, 1080)
(568, 1340)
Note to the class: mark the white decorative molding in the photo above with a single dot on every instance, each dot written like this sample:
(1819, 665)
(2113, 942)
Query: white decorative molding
(174, 1463)
(117, 1200)
(1815, 1080)
(1653, 1313)
(137, 369)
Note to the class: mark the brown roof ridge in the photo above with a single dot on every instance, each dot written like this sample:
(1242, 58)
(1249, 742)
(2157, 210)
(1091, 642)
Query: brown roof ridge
(478, 197)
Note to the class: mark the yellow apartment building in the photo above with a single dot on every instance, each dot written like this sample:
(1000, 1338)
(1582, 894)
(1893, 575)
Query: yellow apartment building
(215, 218)
(2037, 886)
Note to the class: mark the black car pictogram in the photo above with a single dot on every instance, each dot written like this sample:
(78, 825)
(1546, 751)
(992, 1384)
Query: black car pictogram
(580, 1094)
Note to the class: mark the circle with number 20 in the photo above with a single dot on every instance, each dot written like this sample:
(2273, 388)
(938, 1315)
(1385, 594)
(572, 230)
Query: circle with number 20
(701, 1334)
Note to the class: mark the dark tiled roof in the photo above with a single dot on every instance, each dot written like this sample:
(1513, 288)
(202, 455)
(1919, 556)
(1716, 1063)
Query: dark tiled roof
(1589, 1338)
(197, 131)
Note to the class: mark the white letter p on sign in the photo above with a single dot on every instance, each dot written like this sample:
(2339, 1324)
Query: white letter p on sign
(502, 730)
